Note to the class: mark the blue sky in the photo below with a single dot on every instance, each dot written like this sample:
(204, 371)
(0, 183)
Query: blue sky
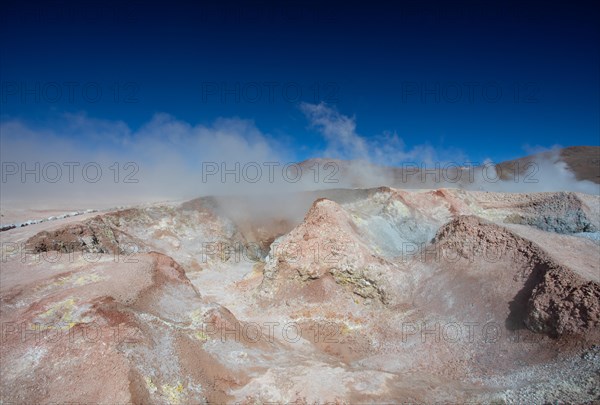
(464, 79)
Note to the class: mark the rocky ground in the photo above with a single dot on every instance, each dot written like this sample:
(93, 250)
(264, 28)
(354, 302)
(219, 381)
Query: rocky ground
(358, 296)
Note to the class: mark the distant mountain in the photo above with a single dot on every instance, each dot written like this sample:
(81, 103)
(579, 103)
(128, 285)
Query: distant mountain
(583, 161)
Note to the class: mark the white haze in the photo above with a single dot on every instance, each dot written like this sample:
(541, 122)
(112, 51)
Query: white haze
(170, 154)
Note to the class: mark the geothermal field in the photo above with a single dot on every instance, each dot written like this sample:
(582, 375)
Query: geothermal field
(299, 202)
(357, 295)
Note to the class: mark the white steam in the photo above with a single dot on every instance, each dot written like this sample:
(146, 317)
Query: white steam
(171, 159)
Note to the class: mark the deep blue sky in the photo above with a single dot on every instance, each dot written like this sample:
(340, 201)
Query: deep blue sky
(370, 61)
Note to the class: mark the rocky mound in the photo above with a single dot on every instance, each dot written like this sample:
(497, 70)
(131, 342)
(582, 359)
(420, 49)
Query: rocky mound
(564, 304)
(324, 246)
(142, 326)
(554, 212)
(392, 221)
(192, 233)
(551, 298)
(95, 235)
